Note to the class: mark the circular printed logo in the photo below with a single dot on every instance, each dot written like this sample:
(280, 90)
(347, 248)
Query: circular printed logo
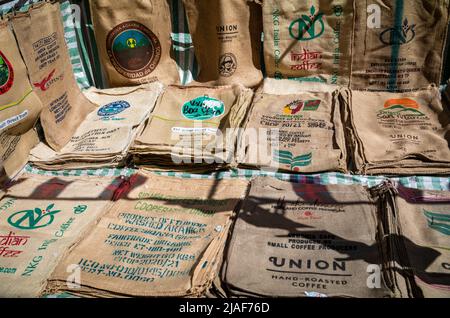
(227, 64)
(113, 108)
(133, 49)
(6, 74)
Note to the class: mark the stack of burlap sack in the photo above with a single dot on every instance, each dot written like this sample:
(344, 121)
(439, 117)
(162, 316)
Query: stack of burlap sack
(193, 128)
(163, 237)
(294, 240)
(294, 127)
(398, 133)
(105, 136)
(40, 219)
(36, 81)
(415, 226)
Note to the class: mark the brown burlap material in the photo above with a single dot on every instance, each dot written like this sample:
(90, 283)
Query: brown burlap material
(293, 130)
(423, 221)
(414, 227)
(398, 45)
(133, 39)
(161, 238)
(104, 138)
(40, 218)
(399, 133)
(193, 128)
(227, 39)
(294, 240)
(14, 153)
(47, 59)
(309, 40)
(19, 105)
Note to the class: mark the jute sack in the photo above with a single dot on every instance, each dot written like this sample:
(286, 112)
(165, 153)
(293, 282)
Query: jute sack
(397, 273)
(398, 45)
(19, 104)
(161, 238)
(423, 221)
(294, 240)
(47, 59)
(14, 153)
(298, 131)
(227, 40)
(105, 136)
(134, 42)
(40, 218)
(193, 127)
(395, 133)
(309, 40)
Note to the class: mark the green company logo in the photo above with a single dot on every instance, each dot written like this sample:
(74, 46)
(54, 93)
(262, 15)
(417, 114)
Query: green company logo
(438, 222)
(33, 219)
(295, 163)
(309, 27)
(203, 108)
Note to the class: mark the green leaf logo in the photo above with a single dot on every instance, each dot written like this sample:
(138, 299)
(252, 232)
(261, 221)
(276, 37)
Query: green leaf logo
(33, 219)
(295, 163)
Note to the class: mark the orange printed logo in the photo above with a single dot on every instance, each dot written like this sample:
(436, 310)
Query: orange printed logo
(402, 106)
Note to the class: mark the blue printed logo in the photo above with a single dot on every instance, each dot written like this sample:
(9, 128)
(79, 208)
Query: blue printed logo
(113, 108)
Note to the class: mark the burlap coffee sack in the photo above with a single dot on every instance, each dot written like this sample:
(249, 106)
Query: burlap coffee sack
(294, 240)
(398, 45)
(309, 40)
(134, 42)
(423, 226)
(397, 271)
(139, 103)
(309, 136)
(405, 133)
(198, 125)
(41, 217)
(104, 138)
(161, 238)
(227, 39)
(47, 59)
(14, 153)
(19, 104)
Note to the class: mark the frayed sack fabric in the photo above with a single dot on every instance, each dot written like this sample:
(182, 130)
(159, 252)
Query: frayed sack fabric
(14, 153)
(300, 240)
(40, 36)
(161, 238)
(292, 130)
(19, 105)
(104, 138)
(398, 45)
(134, 42)
(227, 40)
(399, 134)
(193, 128)
(40, 218)
(308, 40)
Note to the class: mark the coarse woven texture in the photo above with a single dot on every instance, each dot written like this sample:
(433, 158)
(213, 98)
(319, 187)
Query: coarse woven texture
(415, 182)
(69, 34)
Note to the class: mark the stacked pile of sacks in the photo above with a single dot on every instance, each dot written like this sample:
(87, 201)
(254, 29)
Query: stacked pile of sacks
(334, 101)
